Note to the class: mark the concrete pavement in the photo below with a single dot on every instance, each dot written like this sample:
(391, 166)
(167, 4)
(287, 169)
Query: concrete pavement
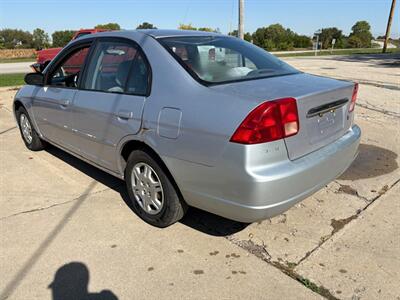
(340, 243)
(380, 70)
(57, 210)
(362, 261)
(16, 67)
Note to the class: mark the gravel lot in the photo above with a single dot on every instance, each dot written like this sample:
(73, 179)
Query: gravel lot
(62, 218)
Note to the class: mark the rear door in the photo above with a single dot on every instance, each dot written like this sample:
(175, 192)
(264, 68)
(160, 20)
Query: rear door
(52, 104)
(110, 103)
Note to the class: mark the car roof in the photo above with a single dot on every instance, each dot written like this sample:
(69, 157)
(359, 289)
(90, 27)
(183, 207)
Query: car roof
(160, 33)
(155, 33)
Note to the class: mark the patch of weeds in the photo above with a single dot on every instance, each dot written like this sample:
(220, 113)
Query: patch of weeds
(288, 268)
(308, 284)
(317, 289)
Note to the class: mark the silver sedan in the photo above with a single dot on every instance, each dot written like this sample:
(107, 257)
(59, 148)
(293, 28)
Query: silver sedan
(192, 119)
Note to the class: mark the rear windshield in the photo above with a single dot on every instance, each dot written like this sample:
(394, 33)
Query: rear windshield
(219, 59)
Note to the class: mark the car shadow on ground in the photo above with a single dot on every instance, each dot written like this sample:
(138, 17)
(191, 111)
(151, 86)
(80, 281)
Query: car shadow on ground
(71, 283)
(372, 161)
(390, 60)
(195, 218)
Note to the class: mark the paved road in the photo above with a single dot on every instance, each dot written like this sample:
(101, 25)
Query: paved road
(61, 217)
(18, 67)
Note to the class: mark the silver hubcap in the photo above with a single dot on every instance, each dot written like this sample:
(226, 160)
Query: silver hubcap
(26, 128)
(147, 188)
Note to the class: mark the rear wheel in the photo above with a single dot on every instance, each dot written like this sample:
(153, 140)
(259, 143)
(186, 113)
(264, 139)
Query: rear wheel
(153, 195)
(29, 135)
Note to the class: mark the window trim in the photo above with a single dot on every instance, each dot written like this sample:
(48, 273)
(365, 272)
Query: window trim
(61, 57)
(210, 83)
(138, 49)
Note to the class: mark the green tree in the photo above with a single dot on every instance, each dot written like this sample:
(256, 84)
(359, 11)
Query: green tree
(15, 38)
(361, 35)
(208, 29)
(247, 35)
(274, 37)
(277, 37)
(146, 25)
(302, 41)
(186, 27)
(62, 37)
(328, 34)
(108, 26)
(355, 42)
(40, 39)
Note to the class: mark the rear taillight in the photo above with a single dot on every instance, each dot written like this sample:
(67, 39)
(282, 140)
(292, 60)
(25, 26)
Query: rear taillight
(270, 121)
(353, 97)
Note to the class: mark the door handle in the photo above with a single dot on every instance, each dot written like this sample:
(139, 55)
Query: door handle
(122, 114)
(64, 102)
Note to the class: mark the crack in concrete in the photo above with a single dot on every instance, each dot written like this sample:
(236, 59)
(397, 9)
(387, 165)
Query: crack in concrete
(56, 204)
(344, 222)
(339, 224)
(7, 130)
(347, 189)
(383, 111)
(2, 106)
(262, 253)
(23, 271)
(259, 251)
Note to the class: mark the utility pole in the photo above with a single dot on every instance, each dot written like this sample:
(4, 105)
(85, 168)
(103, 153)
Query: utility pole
(389, 24)
(317, 33)
(241, 20)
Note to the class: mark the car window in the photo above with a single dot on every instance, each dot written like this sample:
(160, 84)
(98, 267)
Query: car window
(67, 72)
(138, 79)
(219, 59)
(117, 67)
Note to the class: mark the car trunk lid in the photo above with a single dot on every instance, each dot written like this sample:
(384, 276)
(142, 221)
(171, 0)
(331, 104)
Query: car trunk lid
(322, 106)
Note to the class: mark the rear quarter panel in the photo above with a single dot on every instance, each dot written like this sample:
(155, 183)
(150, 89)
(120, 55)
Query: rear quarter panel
(205, 118)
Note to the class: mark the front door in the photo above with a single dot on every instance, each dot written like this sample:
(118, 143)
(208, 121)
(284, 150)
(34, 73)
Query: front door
(52, 105)
(110, 104)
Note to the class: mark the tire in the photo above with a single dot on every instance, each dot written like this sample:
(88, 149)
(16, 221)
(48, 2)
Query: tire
(28, 133)
(154, 197)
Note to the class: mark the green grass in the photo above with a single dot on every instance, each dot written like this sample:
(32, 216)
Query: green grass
(18, 59)
(341, 52)
(11, 79)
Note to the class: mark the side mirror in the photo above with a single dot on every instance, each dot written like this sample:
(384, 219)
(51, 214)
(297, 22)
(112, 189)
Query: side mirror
(34, 79)
(39, 67)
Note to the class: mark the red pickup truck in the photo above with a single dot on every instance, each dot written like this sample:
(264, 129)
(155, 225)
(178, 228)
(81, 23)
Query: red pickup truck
(43, 57)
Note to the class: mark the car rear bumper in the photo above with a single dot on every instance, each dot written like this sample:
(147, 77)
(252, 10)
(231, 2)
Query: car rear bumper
(266, 191)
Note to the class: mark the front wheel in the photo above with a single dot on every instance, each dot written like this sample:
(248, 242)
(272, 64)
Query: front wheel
(153, 195)
(29, 135)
